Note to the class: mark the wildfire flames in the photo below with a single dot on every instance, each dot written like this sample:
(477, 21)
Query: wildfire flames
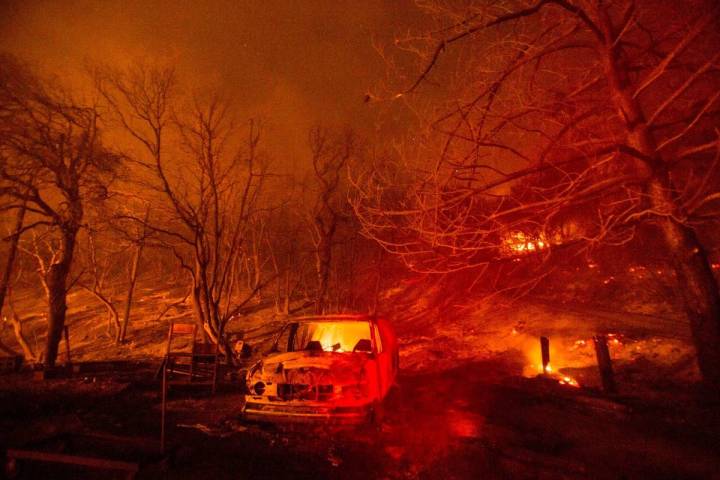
(339, 336)
(569, 381)
(545, 369)
(614, 340)
(522, 243)
(562, 379)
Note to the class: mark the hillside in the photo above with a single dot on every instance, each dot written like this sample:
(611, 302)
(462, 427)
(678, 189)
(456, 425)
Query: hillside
(469, 398)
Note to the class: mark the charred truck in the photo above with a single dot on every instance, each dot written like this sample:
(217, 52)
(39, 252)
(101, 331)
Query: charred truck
(333, 367)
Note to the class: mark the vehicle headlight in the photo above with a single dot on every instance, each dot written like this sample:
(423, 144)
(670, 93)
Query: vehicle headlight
(259, 388)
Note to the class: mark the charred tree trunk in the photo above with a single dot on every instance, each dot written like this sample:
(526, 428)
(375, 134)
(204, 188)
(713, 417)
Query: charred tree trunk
(198, 300)
(57, 299)
(198, 305)
(16, 321)
(12, 252)
(690, 262)
(698, 286)
(288, 294)
(5, 290)
(131, 290)
(324, 261)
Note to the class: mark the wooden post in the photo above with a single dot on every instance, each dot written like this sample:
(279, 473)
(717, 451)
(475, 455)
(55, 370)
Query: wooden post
(162, 407)
(545, 352)
(604, 363)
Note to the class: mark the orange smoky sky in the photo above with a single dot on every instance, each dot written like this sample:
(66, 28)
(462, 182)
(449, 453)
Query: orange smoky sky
(291, 63)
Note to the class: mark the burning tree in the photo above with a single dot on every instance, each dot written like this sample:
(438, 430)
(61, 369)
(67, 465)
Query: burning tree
(570, 122)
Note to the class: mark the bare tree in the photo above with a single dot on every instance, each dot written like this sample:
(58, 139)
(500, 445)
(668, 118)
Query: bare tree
(100, 264)
(207, 208)
(14, 240)
(53, 162)
(290, 250)
(570, 122)
(330, 155)
(222, 220)
(138, 240)
(17, 324)
(6, 290)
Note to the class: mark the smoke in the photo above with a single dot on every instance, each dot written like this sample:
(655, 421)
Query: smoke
(292, 63)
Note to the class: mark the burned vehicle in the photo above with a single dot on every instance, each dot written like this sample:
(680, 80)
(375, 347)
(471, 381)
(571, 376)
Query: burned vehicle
(333, 367)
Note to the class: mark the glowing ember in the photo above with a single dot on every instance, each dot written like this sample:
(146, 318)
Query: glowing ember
(547, 369)
(569, 381)
(520, 242)
(561, 379)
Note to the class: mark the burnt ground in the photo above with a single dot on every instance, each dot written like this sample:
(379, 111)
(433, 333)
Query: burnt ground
(478, 419)
(468, 402)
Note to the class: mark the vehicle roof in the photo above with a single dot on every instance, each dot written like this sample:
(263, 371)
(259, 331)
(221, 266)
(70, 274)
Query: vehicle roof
(332, 317)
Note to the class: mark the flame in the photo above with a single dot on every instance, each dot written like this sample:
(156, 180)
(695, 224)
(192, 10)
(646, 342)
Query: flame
(340, 336)
(330, 339)
(569, 381)
(547, 369)
(520, 242)
(562, 379)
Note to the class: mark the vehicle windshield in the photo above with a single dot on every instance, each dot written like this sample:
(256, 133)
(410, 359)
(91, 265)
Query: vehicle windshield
(340, 336)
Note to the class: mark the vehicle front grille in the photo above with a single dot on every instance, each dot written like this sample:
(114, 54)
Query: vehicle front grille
(295, 391)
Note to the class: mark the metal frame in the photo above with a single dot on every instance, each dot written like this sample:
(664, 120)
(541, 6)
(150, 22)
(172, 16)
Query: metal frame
(187, 329)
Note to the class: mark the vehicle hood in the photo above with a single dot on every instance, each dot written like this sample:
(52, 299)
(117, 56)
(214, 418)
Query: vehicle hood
(312, 368)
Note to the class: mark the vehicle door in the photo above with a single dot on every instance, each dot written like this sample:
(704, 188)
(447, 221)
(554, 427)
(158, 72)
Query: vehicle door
(383, 357)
